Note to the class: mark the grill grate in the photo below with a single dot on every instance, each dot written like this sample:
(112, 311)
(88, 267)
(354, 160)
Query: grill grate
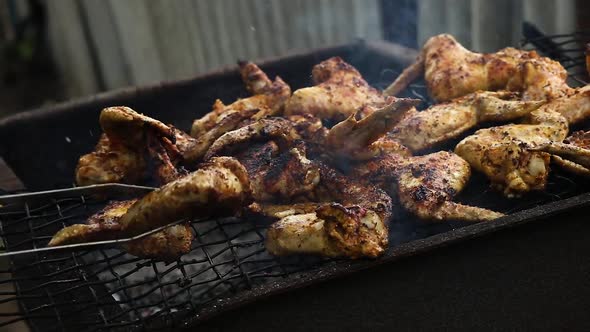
(109, 289)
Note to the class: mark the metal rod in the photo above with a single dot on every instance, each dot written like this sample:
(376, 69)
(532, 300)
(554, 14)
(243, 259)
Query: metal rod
(68, 192)
(91, 244)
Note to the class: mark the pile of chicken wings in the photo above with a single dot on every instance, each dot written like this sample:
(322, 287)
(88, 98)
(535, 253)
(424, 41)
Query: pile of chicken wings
(326, 164)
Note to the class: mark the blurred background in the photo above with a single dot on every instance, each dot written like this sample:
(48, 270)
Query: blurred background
(57, 50)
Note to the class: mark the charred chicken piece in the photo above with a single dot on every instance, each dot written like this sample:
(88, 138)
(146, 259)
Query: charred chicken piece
(218, 188)
(339, 92)
(511, 157)
(166, 142)
(445, 121)
(277, 175)
(129, 127)
(424, 185)
(274, 157)
(166, 245)
(451, 71)
(354, 135)
(119, 155)
(352, 223)
(194, 150)
(110, 162)
(279, 130)
(268, 99)
(165, 157)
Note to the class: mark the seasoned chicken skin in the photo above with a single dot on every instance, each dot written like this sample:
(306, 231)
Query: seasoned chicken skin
(278, 129)
(268, 99)
(505, 153)
(451, 71)
(440, 122)
(130, 142)
(274, 156)
(351, 220)
(165, 245)
(219, 187)
(361, 137)
(339, 92)
(110, 162)
(119, 153)
(425, 185)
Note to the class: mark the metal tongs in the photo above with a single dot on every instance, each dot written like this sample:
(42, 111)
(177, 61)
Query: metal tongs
(100, 190)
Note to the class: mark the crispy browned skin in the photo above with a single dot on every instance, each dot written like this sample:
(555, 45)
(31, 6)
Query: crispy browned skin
(354, 135)
(278, 129)
(110, 162)
(352, 223)
(129, 127)
(451, 71)
(104, 225)
(128, 138)
(425, 185)
(277, 175)
(274, 157)
(441, 122)
(119, 153)
(164, 156)
(512, 156)
(165, 245)
(268, 99)
(339, 92)
(167, 146)
(218, 188)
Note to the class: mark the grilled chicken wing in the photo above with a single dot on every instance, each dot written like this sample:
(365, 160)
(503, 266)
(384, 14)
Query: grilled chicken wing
(358, 136)
(339, 92)
(274, 157)
(268, 99)
(505, 153)
(218, 188)
(353, 221)
(129, 127)
(119, 153)
(451, 71)
(181, 148)
(286, 174)
(110, 162)
(278, 129)
(441, 122)
(573, 154)
(165, 245)
(425, 185)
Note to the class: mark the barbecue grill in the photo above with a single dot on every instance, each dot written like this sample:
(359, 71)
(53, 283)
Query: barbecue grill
(228, 266)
